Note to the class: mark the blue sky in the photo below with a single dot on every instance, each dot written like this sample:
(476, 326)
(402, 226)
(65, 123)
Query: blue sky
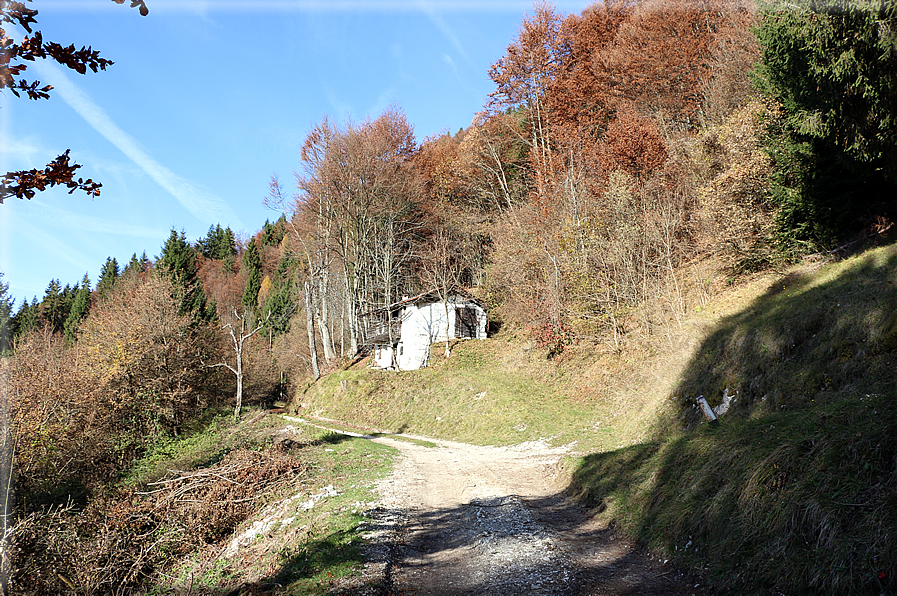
(208, 99)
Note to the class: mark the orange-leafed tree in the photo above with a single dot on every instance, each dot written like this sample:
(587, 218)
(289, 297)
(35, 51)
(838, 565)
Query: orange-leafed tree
(659, 59)
(358, 198)
(633, 144)
(578, 102)
(523, 77)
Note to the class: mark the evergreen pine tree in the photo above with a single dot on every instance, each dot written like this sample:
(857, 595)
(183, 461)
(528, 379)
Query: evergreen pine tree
(280, 305)
(52, 307)
(252, 260)
(135, 266)
(6, 303)
(178, 262)
(219, 244)
(833, 68)
(26, 318)
(109, 274)
(272, 234)
(79, 310)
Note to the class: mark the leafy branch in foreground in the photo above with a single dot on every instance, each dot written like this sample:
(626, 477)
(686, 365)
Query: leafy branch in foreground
(23, 184)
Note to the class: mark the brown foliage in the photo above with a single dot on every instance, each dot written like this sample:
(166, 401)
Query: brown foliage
(222, 284)
(359, 210)
(577, 100)
(633, 144)
(734, 54)
(659, 58)
(56, 421)
(145, 354)
(607, 102)
(23, 184)
(82, 414)
(123, 539)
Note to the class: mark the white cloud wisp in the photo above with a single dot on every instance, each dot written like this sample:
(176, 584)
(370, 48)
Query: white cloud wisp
(202, 205)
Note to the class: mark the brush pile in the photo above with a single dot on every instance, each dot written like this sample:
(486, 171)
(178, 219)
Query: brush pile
(121, 539)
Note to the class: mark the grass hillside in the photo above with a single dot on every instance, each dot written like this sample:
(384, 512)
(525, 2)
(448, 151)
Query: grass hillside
(795, 491)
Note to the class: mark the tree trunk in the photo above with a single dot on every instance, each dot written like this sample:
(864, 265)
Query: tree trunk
(353, 314)
(445, 304)
(239, 391)
(310, 325)
(324, 316)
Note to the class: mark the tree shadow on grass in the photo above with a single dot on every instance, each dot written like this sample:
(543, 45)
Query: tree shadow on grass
(800, 344)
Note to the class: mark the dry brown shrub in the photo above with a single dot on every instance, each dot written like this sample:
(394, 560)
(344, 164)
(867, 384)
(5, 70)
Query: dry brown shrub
(146, 356)
(735, 218)
(122, 540)
(81, 415)
(212, 502)
(55, 418)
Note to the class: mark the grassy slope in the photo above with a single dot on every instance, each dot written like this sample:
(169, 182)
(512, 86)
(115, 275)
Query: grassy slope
(794, 492)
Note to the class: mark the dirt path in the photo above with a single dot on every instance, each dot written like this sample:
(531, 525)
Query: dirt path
(458, 519)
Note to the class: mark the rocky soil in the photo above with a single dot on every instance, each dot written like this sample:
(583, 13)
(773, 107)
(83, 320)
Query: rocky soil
(459, 519)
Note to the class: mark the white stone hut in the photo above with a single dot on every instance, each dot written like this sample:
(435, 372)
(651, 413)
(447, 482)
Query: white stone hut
(425, 319)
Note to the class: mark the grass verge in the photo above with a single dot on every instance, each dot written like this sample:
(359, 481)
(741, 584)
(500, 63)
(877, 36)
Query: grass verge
(490, 392)
(795, 491)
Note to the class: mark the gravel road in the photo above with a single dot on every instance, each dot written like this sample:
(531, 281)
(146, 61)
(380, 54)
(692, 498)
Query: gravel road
(458, 519)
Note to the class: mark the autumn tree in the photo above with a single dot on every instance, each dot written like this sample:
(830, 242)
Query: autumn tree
(658, 38)
(445, 258)
(522, 78)
(23, 184)
(633, 144)
(83, 413)
(146, 352)
(358, 194)
(52, 400)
